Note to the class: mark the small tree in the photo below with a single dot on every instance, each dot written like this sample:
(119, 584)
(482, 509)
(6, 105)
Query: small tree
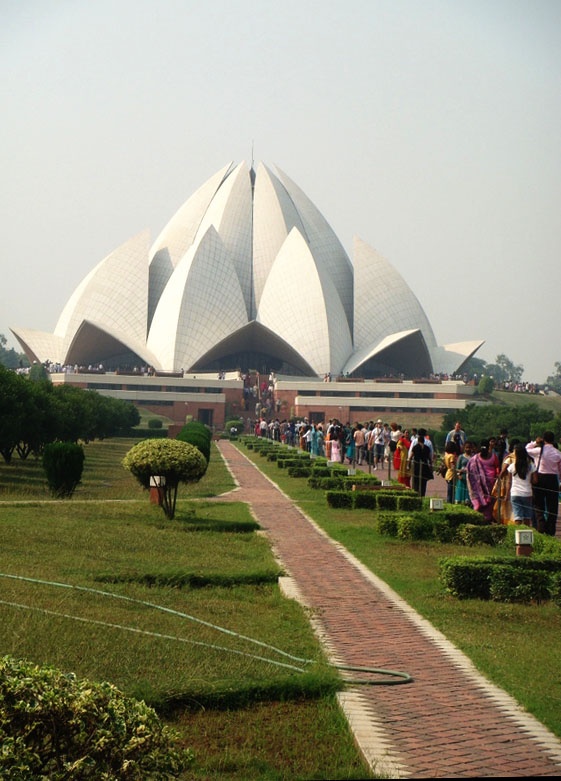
(175, 461)
(63, 463)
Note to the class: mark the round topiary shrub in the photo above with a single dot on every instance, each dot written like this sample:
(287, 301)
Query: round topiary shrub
(55, 726)
(171, 461)
(63, 463)
(155, 423)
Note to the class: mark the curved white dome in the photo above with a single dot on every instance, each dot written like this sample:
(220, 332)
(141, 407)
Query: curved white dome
(247, 274)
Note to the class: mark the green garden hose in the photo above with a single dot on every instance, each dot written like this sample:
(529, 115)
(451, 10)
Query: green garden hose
(392, 677)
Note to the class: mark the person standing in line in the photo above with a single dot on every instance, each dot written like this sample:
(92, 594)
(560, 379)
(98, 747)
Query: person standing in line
(458, 436)
(462, 493)
(378, 444)
(335, 449)
(546, 492)
(450, 460)
(421, 464)
(482, 471)
(401, 458)
(520, 470)
(395, 435)
(360, 441)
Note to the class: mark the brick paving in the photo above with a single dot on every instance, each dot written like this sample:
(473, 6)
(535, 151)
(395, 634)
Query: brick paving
(449, 722)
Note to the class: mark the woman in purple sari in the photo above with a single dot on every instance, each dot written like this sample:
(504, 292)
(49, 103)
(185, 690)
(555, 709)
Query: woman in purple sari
(482, 471)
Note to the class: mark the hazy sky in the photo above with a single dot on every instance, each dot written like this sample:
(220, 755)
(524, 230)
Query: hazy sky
(429, 128)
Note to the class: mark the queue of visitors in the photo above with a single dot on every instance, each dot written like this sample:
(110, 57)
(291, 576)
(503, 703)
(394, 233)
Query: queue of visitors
(506, 481)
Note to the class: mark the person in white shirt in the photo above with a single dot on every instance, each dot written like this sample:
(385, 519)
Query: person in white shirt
(546, 492)
(521, 469)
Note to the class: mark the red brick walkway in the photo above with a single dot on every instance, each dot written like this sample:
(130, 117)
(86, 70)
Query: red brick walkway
(448, 723)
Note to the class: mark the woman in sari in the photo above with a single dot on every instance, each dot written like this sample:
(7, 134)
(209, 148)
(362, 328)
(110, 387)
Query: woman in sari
(462, 494)
(482, 471)
(400, 457)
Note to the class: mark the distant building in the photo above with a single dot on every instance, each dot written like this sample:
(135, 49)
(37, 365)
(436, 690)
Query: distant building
(247, 275)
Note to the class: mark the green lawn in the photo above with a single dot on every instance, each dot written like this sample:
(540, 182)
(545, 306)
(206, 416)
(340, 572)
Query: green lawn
(186, 614)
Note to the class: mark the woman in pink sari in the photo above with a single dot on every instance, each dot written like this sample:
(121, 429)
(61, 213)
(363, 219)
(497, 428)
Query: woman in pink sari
(482, 471)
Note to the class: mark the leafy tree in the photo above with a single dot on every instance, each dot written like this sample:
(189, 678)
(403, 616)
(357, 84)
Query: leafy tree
(479, 422)
(474, 366)
(38, 373)
(504, 370)
(554, 380)
(10, 358)
(14, 405)
(56, 726)
(35, 413)
(39, 422)
(175, 461)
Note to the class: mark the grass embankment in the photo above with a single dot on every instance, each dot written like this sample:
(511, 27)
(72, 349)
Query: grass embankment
(516, 646)
(244, 712)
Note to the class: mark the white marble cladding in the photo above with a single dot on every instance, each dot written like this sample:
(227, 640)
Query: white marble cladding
(247, 247)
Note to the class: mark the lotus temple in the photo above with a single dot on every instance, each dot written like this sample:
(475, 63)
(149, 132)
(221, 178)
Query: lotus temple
(248, 278)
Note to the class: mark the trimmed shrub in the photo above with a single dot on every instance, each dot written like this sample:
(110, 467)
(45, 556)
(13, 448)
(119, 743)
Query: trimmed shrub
(321, 471)
(63, 463)
(155, 423)
(54, 726)
(292, 460)
(442, 530)
(458, 514)
(357, 482)
(515, 584)
(414, 527)
(326, 483)
(387, 524)
(466, 578)
(365, 500)
(197, 434)
(386, 500)
(340, 499)
(514, 579)
(299, 471)
(555, 588)
(409, 502)
(470, 534)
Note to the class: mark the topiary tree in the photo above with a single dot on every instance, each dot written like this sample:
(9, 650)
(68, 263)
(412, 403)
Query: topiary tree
(175, 461)
(63, 463)
(55, 726)
(197, 434)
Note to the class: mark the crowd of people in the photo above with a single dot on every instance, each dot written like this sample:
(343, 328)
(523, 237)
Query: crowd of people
(506, 481)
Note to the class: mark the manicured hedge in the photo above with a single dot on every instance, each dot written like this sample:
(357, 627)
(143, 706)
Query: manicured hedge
(340, 499)
(514, 579)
